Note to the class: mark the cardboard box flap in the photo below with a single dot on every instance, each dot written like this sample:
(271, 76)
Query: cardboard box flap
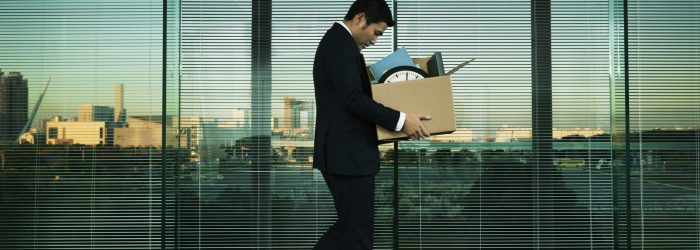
(460, 66)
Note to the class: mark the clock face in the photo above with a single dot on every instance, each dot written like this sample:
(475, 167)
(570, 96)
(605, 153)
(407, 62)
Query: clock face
(402, 73)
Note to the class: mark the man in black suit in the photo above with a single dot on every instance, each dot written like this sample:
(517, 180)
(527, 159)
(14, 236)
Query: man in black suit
(345, 146)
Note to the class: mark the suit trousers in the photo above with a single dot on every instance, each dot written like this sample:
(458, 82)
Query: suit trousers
(353, 197)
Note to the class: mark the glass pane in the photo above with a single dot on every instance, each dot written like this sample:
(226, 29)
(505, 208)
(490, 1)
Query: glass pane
(80, 124)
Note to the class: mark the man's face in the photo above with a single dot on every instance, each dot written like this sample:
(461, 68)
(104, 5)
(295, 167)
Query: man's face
(368, 34)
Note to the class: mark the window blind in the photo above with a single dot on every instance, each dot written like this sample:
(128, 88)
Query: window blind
(481, 187)
(300, 205)
(189, 124)
(581, 122)
(295, 36)
(664, 99)
(445, 200)
(80, 174)
(217, 201)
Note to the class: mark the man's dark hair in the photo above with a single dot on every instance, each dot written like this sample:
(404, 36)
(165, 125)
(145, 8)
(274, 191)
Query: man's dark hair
(375, 11)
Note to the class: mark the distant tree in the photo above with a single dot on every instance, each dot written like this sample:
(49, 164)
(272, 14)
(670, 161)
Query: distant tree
(600, 138)
(408, 157)
(443, 157)
(574, 138)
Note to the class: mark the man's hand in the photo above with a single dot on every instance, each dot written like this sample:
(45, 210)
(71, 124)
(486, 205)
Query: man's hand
(413, 127)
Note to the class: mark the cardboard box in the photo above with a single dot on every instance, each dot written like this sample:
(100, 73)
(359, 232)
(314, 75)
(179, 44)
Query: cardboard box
(429, 96)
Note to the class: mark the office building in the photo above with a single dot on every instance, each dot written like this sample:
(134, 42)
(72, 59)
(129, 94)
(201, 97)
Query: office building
(241, 119)
(76, 132)
(147, 131)
(93, 113)
(119, 110)
(299, 117)
(507, 134)
(13, 105)
(297, 113)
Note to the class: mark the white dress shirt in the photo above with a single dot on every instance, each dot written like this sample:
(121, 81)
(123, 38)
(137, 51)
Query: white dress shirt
(402, 116)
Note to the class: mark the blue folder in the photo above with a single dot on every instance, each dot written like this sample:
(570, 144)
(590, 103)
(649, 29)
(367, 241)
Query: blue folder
(400, 57)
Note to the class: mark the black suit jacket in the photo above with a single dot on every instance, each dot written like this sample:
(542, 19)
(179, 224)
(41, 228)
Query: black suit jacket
(346, 139)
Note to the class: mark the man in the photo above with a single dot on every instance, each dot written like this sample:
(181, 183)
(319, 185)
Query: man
(345, 146)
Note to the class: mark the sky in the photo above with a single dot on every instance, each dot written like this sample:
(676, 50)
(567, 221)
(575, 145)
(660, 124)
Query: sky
(86, 47)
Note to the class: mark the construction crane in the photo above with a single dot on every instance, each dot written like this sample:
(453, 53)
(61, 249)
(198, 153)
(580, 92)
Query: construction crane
(34, 111)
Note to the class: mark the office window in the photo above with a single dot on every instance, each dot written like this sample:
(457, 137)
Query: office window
(216, 201)
(53, 133)
(664, 115)
(296, 33)
(482, 186)
(455, 189)
(581, 122)
(86, 70)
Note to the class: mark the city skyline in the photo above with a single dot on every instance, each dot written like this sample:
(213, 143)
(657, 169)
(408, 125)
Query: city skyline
(297, 110)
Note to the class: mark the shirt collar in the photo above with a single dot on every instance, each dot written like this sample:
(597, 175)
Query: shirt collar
(346, 27)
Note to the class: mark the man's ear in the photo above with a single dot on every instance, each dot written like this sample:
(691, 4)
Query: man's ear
(360, 19)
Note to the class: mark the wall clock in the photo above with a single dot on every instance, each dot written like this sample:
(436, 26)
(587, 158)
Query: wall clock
(402, 73)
